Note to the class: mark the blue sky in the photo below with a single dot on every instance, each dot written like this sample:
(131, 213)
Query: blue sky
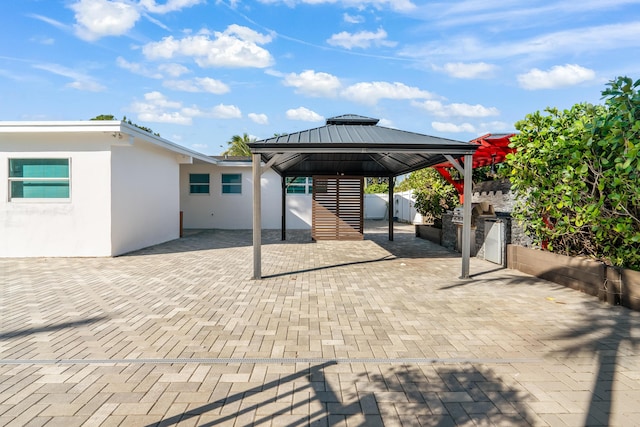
(200, 71)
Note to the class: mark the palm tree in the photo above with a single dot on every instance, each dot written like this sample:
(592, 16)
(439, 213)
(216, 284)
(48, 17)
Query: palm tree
(238, 145)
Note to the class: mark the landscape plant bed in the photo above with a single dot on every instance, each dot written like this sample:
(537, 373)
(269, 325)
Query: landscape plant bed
(614, 285)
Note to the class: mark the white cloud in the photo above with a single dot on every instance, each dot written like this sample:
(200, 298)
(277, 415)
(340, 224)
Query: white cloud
(470, 13)
(156, 107)
(557, 76)
(456, 109)
(173, 70)
(100, 18)
(50, 21)
(371, 92)
(80, 81)
(212, 85)
(47, 41)
(453, 128)
(304, 114)
(362, 39)
(169, 6)
(352, 19)
(396, 5)
(199, 84)
(236, 47)
(260, 119)
(589, 39)
(474, 70)
(312, 83)
(136, 68)
(86, 85)
(158, 99)
(226, 112)
(494, 127)
(386, 123)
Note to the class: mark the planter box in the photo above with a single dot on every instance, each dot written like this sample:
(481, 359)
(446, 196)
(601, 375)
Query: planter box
(614, 285)
(429, 232)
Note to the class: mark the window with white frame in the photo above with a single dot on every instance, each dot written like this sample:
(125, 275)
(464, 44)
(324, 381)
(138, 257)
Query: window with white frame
(300, 185)
(39, 179)
(231, 183)
(199, 183)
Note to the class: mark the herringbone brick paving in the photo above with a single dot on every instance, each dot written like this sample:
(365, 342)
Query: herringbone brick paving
(337, 333)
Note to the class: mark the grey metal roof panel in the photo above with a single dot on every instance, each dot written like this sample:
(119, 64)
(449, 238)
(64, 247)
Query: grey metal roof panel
(362, 134)
(355, 145)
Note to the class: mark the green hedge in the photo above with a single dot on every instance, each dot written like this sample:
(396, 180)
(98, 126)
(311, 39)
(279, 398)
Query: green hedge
(576, 174)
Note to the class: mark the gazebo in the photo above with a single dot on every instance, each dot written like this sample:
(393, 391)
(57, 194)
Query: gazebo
(347, 148)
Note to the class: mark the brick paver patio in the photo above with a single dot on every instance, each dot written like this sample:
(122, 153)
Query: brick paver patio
(365, 333)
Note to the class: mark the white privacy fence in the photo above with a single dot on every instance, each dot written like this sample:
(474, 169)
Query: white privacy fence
(376, 207)
(403, 206)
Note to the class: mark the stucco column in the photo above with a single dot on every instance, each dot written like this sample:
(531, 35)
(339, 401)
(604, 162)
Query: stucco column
(257, 217)
(466, 216)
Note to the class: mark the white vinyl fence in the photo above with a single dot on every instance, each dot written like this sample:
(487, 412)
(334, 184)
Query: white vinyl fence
(403, 206)
(376, 207)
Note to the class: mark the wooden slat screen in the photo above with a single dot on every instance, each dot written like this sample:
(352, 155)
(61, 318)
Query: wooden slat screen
(337, 212)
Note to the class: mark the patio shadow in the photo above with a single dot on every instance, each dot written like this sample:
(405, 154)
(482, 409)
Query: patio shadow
(256, 409)
(49, 328)
(603, 333)
(449, 395)
(428, 395)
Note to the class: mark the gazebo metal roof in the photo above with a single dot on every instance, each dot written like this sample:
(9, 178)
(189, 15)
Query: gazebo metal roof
(355, 145)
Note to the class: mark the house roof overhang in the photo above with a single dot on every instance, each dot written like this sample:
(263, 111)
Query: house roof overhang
(355, 145)
(123, 134)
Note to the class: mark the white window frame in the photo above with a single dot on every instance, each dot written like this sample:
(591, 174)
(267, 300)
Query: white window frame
(11, 179)
(207, 184)
(234, 184)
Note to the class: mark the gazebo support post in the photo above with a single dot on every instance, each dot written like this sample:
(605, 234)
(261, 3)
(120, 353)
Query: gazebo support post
(466, 216)
(391, 208)
(283, 225)
(257, 220)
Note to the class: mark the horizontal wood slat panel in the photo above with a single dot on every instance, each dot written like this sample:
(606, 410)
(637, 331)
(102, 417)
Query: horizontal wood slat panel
(337, 210)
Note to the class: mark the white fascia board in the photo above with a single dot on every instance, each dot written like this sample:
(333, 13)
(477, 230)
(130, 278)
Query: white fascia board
(228, 163)
(88, 126)
(60, 126)
(164, 143)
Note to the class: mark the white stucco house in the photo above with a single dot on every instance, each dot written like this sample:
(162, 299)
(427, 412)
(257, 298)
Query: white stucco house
(219, 195)
(90, 188)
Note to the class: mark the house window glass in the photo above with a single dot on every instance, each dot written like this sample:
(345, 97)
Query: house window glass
(231, 183)
(300, 185)
(199, 183)
(39, 179)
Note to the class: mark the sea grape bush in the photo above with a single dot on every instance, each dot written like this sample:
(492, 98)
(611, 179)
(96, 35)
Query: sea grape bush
(576, 173)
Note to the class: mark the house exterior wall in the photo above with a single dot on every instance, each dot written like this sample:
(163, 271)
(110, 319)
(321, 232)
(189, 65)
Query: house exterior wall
(145, 193)
(235, 211)
(80, 226)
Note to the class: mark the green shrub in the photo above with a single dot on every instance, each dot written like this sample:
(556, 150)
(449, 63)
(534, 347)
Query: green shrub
(433, 195)
(576, 173)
